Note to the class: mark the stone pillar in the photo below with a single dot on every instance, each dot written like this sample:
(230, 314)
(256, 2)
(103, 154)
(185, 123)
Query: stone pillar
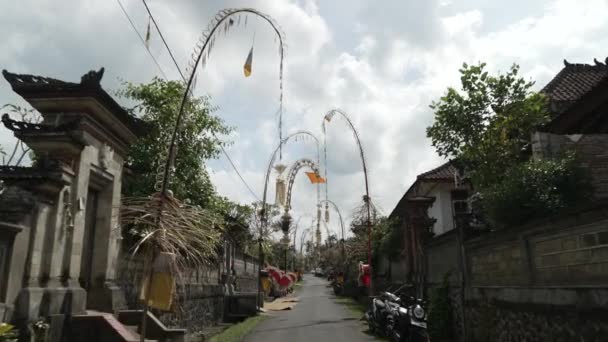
(80, 191)
(105, 295)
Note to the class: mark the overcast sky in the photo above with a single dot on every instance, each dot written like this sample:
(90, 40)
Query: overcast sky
(383, 62)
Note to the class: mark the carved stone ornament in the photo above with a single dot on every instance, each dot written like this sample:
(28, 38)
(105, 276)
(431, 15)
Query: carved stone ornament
(105, 156)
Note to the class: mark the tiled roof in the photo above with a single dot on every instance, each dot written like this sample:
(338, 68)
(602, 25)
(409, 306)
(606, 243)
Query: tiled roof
(443, 172)
(32, 86)
(572, 82)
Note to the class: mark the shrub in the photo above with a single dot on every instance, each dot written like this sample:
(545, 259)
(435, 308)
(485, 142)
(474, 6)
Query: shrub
(535, 189)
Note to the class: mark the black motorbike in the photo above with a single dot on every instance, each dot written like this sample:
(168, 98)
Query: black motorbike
(406, 322)
(376, 316)
(402, 319)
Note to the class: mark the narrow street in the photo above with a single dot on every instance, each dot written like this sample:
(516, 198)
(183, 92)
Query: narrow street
(316, 318)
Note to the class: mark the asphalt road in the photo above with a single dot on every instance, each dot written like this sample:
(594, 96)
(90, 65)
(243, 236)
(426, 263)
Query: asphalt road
(316, 318)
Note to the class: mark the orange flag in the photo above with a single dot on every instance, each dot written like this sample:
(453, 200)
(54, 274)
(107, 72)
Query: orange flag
(315, 178)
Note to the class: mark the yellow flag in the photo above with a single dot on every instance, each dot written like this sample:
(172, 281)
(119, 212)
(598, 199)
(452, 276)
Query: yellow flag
(247, 66)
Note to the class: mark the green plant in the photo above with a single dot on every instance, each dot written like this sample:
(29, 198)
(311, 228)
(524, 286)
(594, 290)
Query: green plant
(7, 333)
(536, 188)
(488, 123)
(157, 104)
(440, 311)
(238, 331)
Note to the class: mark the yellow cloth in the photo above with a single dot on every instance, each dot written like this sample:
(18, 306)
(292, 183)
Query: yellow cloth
(266, 284)
(162, 289)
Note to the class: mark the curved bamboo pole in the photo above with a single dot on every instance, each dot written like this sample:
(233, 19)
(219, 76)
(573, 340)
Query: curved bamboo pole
(203, 47)
(263, 213)
(366, 198)
(326, 201)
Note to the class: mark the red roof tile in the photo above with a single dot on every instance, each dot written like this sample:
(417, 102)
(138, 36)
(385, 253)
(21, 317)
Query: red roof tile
(443, 172)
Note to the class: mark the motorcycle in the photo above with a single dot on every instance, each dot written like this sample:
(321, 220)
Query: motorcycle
(407, 322)
(402, 320)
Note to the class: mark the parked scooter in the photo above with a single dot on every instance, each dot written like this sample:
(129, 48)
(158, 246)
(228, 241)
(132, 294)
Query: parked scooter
(400, 319)
(381, 308)
(407, 321)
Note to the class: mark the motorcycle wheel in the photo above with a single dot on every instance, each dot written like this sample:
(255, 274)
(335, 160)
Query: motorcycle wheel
(390, 330)
(370, 326)
(419, 336)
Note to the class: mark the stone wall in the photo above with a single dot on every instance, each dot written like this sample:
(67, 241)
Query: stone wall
(542, 280)
(505, 322)
(497, 264)
(571, 250)
(545, 281)
(200, 292)
(443, 257)
(246, 270)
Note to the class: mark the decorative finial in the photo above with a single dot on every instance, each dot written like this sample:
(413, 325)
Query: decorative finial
(566, 63)
(92, 78)
(598, 63)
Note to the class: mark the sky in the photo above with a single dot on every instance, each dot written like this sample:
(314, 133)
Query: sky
(382, 62)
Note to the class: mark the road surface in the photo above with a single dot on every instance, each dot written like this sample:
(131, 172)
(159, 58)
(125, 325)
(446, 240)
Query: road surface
(316, 318)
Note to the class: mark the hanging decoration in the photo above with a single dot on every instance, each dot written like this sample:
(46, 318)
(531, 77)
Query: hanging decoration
(248, 62)
(280, 185)
(315, 178)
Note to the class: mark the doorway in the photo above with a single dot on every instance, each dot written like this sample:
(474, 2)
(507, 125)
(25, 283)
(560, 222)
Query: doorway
(88, 247)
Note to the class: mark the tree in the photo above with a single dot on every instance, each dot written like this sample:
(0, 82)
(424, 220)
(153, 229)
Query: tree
(488, 123)
(157, 104)
(487, 127)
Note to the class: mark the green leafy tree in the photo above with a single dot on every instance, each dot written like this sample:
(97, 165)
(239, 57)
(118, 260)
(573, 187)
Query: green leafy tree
(157, 104)
(487, 126)
(488, 122)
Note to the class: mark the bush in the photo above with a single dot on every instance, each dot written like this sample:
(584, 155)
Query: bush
(535, 189)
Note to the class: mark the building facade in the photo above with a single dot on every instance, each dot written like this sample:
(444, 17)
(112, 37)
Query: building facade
(59, 218)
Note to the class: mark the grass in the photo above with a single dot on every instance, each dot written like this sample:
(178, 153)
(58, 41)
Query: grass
(237, 332)
(356, 309)
(298, 285)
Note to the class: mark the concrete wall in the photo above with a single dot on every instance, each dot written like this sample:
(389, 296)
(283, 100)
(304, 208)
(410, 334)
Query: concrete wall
(547, 279)
(443, 257)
